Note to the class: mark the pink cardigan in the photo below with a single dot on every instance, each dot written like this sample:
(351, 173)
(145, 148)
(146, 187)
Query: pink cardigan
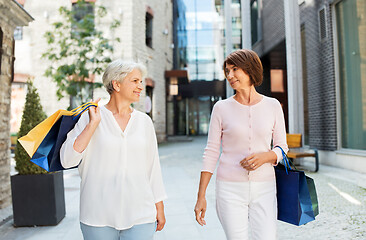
(242, 130)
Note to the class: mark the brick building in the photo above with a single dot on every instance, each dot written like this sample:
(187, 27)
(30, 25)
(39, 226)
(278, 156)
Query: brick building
(11, 15)
(328, 94)
(146, 37)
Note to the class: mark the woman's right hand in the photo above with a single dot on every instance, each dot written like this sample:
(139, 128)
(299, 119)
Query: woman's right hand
(200, 210)
(94, 114)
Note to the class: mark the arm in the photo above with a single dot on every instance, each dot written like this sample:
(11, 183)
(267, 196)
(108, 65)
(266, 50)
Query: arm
(201, 204)
(156, 181)
(83, 139)
(210, 157)
(160, 215)
(279, 134)
(78, 139)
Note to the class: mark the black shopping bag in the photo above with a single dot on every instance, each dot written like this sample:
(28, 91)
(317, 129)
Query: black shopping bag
(293, 198)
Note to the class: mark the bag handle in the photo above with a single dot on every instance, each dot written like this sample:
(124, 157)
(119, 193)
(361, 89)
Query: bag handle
(285, 160)
(79, 110)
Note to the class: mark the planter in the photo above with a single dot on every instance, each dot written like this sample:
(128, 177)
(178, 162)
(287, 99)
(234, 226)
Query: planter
(38, 200)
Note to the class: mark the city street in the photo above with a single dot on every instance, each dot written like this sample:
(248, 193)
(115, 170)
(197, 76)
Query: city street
(342, 203)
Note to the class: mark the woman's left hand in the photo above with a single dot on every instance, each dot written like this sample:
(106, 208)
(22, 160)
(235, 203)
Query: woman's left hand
(255, 160)
(160, 216)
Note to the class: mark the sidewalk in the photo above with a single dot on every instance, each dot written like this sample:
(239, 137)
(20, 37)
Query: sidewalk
(342, 204)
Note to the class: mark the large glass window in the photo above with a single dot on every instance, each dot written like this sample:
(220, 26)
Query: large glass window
(254, 20)
(351, 26)
(203, 40)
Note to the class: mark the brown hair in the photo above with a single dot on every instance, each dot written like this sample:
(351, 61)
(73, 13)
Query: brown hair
(249, 62)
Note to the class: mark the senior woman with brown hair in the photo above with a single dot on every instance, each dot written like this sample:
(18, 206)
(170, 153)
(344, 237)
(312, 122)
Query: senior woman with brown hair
(121, 189)
(244, 125)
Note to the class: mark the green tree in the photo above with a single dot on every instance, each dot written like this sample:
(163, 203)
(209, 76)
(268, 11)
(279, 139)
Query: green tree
(32, 115)
(77, 50)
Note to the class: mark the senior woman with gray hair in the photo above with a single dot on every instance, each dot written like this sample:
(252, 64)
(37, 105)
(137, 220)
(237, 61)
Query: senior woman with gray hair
(121, 189)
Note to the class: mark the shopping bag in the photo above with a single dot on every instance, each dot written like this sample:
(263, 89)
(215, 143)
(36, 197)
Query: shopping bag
(47, 155)
(293, 198)
(34, 138)
(313, 195)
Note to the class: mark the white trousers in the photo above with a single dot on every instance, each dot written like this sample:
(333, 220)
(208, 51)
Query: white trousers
(243, 204)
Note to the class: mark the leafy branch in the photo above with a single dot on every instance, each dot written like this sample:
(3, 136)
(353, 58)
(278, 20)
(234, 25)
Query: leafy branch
(77, 50)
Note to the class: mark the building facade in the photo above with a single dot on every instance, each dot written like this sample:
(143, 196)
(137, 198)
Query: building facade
(328, 96)
(197, 81)
(146, 37)
(11, 15)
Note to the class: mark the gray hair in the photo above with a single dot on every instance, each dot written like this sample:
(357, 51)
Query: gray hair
(118, 70)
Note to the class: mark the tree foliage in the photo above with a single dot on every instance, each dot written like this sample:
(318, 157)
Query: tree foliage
(32, 115)
(77, 49)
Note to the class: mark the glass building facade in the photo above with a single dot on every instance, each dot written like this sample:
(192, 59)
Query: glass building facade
(198, 52)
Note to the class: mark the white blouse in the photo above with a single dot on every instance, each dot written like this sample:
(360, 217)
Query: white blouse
(120, 171)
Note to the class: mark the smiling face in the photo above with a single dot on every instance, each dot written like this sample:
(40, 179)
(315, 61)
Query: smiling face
(131, 86)
(237, 78)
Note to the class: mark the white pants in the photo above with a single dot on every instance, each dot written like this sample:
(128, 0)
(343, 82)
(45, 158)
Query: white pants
(239, 204)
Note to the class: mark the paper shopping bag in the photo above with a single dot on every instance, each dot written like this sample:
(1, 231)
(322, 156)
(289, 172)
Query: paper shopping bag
(47, 155)
(44, 148)
(294, 201)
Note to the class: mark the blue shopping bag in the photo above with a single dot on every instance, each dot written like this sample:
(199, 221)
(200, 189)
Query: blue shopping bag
(47, 154)
(293, 197)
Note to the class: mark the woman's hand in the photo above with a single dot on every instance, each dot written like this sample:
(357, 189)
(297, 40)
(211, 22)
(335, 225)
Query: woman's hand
(255, 160)
(200, 210)
(160, 216)
(94, 114)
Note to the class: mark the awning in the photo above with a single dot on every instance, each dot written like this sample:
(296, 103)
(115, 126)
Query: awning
(181, 75)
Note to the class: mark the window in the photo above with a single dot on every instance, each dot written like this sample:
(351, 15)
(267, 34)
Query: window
(255, 20)
(148, 100)
(322, 25)
(149, 29)
(305, 85)
(18, 33)
(12, 61)
(351, 22)
(83, 19)
(277, 85)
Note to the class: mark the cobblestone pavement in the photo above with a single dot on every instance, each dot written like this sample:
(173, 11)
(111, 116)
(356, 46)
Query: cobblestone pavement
(342, 204)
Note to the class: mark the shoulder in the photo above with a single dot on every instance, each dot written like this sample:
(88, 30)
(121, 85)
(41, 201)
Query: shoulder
(142, 116)
(222, 103)
(273, 105)
(272, 102)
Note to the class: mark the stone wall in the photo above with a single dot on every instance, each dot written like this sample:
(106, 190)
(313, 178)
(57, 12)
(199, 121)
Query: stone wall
(5, 90)
(11, 15)
(157, 59)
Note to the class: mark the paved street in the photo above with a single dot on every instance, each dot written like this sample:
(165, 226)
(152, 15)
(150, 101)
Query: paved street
(342, 204)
